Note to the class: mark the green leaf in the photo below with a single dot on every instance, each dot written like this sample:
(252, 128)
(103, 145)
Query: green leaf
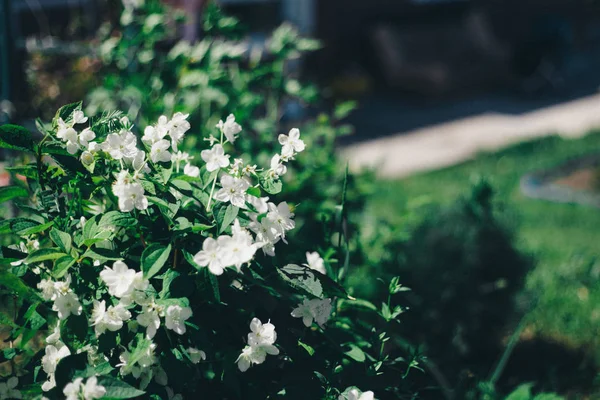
(523, 392)
(25, 226)
(154, 258)
(118, 389)
(90, 229)
(12, 192)
(200, 227)
(14, 137)
(69, 366)
(62, 265)
(302, 278)
(66, 113)
(116, 218)
(253, 191)
(14, 283)
(306, 347)
(342, 110)
(101, 255)
(214, 283)
(140, 350)
(270, 185)
(355, 353)
(36, 229)
(168, 278)
(61, 239)
(226, 216)
(43, 255)
(29, 171)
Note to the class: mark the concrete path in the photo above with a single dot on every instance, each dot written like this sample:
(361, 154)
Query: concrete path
(450, 143)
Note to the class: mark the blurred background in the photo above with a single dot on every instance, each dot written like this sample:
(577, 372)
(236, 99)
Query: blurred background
(470, 126)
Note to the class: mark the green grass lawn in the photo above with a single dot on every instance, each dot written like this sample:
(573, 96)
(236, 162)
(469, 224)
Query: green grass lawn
(564, 238)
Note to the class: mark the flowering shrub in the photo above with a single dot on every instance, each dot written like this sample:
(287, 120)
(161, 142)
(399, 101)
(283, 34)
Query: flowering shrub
(156, 275)
(146, 68)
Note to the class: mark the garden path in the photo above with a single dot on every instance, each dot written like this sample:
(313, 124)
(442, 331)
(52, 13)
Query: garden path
(449, 143)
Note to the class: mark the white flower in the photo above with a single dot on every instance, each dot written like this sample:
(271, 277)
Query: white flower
(154, 134)
(125, 367)
(316, 309)
(72, 147)
(230, 128)
(97, 317)
(86, 136)
(259, 203)
(315, 262)
(266, 234)
(209, 256)
(180, 157)
(94, 147)
(50, 383)
(66, 305)
(191, 170)
(52, 356)
(233, 190)
(160, 151)
(8, 389)
(67, 134)
(260, 343)
(76, 390)
(138, 162)
(47, 288)
(261, 334)
(291, 144)
(150, 318)
(86, 158)
(129, 192)
(281, 217)
(196, 355)
(179, 126)
(54, 337)
(120, 145)
(237, 249)
(111, 318)
(79, 117)
(355, 394)
(277, 167)
(215, 158)
(148, 358)
(119, 279)
(92, 390)
(245, 359)
(175, 318)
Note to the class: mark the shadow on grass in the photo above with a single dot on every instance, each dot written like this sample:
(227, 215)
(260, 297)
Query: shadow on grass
(552, 367)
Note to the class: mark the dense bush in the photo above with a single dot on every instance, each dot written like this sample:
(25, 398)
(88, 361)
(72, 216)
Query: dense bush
(146, 67)
(165, 277)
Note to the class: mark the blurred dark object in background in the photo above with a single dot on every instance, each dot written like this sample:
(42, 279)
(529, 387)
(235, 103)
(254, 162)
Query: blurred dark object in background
(448, 47)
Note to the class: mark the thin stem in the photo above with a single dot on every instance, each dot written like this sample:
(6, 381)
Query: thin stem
(212, 189)
(514, 339)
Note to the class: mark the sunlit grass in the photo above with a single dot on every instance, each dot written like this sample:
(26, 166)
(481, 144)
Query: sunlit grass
(564, 238)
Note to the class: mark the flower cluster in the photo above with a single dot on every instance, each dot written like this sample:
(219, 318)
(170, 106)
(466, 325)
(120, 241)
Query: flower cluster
(76, 141)
(133, 269)
(261, 342)
(65, 300)
(55, 351)
(130, 288)
(77, 390)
